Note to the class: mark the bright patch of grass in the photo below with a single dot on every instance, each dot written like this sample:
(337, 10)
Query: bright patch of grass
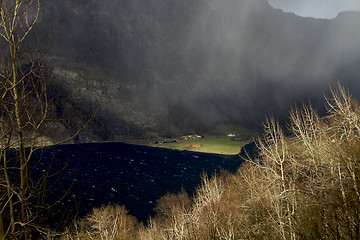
(223, 139)
(222, 145)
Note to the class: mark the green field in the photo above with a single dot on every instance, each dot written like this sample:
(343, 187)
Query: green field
(221, 145)
(216, 141)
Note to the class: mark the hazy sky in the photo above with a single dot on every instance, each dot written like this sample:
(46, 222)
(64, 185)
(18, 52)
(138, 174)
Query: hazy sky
(316, 8)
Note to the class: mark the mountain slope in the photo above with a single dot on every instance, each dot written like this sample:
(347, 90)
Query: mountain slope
(175, 66)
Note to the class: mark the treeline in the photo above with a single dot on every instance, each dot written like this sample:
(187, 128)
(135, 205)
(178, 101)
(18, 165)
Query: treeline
(304, 185)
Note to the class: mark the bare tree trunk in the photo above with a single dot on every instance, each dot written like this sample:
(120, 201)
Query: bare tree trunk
(10, 195)
(21, 144)
(2, 232)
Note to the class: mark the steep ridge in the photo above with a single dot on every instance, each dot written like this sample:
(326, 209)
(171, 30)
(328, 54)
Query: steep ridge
(165, 66)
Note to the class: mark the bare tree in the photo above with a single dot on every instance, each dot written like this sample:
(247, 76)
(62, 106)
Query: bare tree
(27, 117)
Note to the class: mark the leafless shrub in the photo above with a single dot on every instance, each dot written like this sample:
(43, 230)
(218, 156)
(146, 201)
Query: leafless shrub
(109, 223)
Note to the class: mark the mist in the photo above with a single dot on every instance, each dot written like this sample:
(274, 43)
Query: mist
(326, 9)
(178, 65)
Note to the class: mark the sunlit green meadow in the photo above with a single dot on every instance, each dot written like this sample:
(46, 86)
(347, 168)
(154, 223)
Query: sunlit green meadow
(222, 145)
(217, 141)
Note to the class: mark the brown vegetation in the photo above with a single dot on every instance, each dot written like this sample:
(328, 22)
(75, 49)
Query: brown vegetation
(106, 223)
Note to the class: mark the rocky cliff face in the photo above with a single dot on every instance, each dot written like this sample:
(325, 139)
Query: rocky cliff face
(169, 66)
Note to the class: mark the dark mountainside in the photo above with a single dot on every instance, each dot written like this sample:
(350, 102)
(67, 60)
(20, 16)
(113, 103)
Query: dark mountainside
(175, 66)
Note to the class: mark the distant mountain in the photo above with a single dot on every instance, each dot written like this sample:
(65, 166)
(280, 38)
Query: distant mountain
(172, 66)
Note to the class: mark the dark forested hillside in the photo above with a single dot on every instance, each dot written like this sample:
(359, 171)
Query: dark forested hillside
(173, 66)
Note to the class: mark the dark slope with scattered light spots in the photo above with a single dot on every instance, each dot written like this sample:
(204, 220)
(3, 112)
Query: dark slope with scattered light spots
(135, 176)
